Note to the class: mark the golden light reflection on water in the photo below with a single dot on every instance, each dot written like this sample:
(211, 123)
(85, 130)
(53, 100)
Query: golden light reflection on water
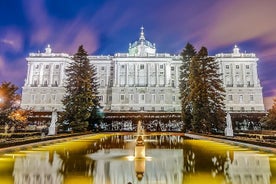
(192, 161)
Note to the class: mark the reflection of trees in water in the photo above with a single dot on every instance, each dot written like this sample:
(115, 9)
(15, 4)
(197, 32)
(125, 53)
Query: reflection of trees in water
(38, 168)
(199, 159)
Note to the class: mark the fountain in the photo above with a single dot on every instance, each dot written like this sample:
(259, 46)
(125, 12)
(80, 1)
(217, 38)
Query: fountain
(140, 130)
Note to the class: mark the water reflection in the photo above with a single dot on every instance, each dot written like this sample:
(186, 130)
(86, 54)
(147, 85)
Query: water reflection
(249, 167)
(170, 159)
(38, 168)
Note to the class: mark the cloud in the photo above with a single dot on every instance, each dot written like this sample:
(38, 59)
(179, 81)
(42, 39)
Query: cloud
(239, 21)
(12, 40)
(268, 101)
(13, 71)
(63, 36)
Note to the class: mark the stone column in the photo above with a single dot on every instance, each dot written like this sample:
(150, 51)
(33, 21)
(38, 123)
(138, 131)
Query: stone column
(157, 74)
(41, 75)
(51, 73)
(135, 75)
(30, 74)
(126, 83)
(61, 74)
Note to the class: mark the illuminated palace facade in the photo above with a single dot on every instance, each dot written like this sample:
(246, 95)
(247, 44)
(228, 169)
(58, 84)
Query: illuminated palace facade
(140, 80)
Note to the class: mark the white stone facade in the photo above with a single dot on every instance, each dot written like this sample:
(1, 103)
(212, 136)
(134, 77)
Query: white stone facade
(140, 80)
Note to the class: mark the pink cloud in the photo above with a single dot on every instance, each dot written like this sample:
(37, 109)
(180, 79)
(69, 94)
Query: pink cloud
(238, 21)
(268, 101)
(40, 21)
(63, 37)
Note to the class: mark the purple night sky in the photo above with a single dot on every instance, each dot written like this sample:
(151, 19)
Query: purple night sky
(107, 27)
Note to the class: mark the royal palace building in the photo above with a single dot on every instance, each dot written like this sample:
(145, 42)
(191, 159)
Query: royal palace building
(140, 80)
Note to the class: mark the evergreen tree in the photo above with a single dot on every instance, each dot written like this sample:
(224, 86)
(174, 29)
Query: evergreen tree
(81, 91)
(269, 120)
(187, 54)
(206, 93)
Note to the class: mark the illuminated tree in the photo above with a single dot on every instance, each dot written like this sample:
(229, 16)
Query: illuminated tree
(81, 91)
(9, 101)
(206, 93)
(269, 120)
(201, 91)
(187, 54)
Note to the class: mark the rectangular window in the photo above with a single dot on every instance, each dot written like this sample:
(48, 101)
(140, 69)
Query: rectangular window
(54, 97)
(122, 66)
(252, 109)
(172, 68)
(153, 98)
(247, 66)
(173, 98)
(100, 98)
(131, 97)
(122, 97)
(57, 66)
(227, 66)
(251, 98)
(242, 109)
(162, 108)
(33, 99)
(237, 66)
(162, 98)
(47, 66)
(161, 66)
(231, 108)
(102, 68)
(142, 67)
(230, 97)
(110, 98)
(241, 98)
(42, 98)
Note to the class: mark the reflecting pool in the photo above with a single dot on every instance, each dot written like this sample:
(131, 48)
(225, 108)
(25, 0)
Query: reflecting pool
(125, 159)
